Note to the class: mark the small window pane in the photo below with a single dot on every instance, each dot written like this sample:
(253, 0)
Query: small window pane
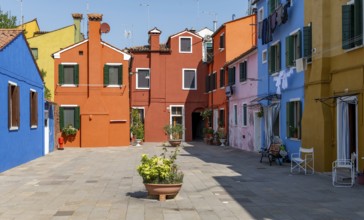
(69, 75)
(143, 78)
(113, 75)
(176, 110)
(189, 79)
(185, 44)
(35, 53)
(69, 117)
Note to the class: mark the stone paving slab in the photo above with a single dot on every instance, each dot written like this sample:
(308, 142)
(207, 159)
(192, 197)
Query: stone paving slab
(220, 183)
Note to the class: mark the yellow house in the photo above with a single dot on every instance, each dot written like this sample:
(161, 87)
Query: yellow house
(43, 44)
(332, 121)
(30, 28)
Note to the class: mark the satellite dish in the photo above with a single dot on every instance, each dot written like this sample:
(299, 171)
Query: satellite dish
(105, 28)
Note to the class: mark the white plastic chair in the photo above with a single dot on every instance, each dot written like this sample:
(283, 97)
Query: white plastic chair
(304, 160)
(342, 171)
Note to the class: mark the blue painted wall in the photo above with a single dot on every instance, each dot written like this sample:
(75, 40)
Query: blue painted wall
(266, 84)
(25, 144)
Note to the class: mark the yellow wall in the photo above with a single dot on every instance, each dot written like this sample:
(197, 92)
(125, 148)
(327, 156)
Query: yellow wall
(48, 44)
(333, 72)
(30, 27)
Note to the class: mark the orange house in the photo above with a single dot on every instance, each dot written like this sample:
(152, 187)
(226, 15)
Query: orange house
(229, 41)
(167, 84)
(92, 90)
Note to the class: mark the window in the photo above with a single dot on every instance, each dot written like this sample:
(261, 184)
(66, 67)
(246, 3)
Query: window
(222, 118)
(68, 74)
(231, 73)
(274, 58)
(222, 78)
(243, 67)
(260, 14)
(209, 51)
(13, 106)
(113, 74)
(273, 4)
(207, 84)
(34, 52)
(213, 81)
(177, 117)
(33, 109)
(293, 48)
(264, 56)
(307, 42)
(222, 41)
(185, 45)
(245, 115)
(235, 115)
(293, 119)
(143, 79)
(189, 79)
(69, 116)
(352, 24)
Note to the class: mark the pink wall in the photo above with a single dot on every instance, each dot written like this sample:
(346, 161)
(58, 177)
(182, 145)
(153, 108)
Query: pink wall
(239, 136)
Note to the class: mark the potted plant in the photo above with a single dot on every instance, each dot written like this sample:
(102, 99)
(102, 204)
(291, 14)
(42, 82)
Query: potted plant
(175, 133)
(69, 130)
(222, 136)
(137, 127)
(206, 113)
(161, 175)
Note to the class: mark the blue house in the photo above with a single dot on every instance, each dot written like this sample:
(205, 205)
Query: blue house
(281, 63)
(22, 102)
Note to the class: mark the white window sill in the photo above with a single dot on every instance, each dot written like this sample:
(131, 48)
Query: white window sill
(114, 86)
(143, 88)
(189, 89)
(354, 48)
(33, 127)
(14, 128)
(69, 85)
(185, 52)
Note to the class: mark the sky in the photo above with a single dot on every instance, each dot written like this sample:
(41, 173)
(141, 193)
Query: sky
(129, 20)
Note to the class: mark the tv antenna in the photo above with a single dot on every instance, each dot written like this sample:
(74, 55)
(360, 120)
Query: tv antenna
(214, 14)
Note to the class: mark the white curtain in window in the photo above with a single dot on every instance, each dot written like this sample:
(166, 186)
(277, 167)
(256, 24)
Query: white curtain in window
(343, 130)
(271, 113)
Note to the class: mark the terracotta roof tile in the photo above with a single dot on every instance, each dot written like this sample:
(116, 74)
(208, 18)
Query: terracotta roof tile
(146, 48)
(7, 35)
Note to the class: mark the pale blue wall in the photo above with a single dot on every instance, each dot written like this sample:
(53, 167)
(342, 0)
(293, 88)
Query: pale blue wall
(25, 144)
(266, 84)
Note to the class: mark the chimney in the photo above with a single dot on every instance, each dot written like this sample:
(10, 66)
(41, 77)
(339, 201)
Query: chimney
(77, 17)
(94, 24)
(154, 39)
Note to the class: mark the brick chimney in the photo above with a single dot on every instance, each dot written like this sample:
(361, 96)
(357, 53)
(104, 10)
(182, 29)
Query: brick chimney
(77, 17)
(94, 24)
(154, 39)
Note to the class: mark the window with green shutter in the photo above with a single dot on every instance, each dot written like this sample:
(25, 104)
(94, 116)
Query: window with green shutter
(293, 119)
(243, 70)
(68, 74)
(231, 72)
(222, 78)
(207, 84)
(274, 58)
(113, 74)
(307, 42)
(352, 25)
(273, 4)
(69, 116)
(293, 48)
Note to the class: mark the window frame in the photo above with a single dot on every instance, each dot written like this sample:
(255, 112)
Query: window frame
(264, 56)
(231, 75)
(273, 6)
(293, 118)
(276, 67)
(141, 109)
(13, 106)
(222, 78)
(235, 107)
(33, 104)
(137, 79)
(76, 119)
(243, 71)
(293, 48)
(222, 117)
(183, 79)
(351, 28)
(213, 82)
(75, 74)
(222, 41)
(107, 77)
(180, 44)
(244, 116)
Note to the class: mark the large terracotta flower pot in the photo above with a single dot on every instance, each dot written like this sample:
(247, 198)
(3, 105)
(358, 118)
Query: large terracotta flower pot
(163, 190)
(175, 142)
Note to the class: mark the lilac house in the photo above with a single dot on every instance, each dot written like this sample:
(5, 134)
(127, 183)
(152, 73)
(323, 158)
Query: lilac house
(244, 119)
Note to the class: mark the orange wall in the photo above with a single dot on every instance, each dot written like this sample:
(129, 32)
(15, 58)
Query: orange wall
(166, 86)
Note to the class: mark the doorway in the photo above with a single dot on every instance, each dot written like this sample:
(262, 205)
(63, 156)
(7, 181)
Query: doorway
(347, 127)
(197, 126)
(257, 132)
